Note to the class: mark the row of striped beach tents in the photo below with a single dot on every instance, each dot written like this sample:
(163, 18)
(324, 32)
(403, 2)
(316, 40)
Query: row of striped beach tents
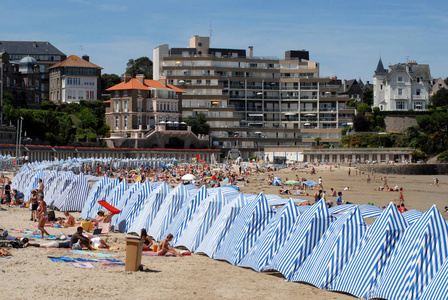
(399, 256)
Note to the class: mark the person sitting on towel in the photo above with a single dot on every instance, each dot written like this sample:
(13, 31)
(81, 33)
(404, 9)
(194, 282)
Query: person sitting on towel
(165, 247)
(78, 241)
(98, 242)
(147, 242)
(70, 220)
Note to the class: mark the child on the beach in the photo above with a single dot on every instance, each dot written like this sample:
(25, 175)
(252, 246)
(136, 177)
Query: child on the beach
(401, 199)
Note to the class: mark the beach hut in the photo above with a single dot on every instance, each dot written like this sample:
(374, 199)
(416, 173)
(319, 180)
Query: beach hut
(306, 233)
(412, 216)
(133, 207)
(415, 260)
(169, 209)
(32, 183)
(183, 218)
(272, 238)
(115, 195)
(249, 224)
(437, 287)
(93, 196)
(133, 187)
(202, 221)
(74, 196)
(333, 250)
(105, 191)
(361, 271)
(214, 237)
(367, 211)
(63, 182)
(150, 207)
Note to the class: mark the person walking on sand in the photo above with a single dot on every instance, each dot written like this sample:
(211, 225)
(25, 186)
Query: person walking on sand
(321, 187)
(165, 247)
(42, 216)
(40, 190)
(34, 204)
(401, 199)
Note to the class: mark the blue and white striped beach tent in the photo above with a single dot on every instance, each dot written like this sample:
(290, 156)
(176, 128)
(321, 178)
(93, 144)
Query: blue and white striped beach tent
(133, 187)
(150, 208)
(93, 196)
(202, 221)
(249, 224)
(105, 191)
(49, 177)
(272, 238)
(305, 235)
(64, 180)
(415, 260)
(216, 234)
(51, 188)
(74, 196)
(32, 183)
(437, 287)
(183, 217)
(361, 271)
(367, 211)
(333, 250)
(412, 216)
(116, 194)
(132, 210)
(168, 210)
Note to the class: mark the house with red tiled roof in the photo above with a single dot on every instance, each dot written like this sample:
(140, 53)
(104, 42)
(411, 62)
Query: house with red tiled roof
(74, 79)
(145, 113)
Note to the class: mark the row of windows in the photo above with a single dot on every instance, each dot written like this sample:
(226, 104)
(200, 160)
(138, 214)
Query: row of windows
(150, 121)
(73, 81)
(80, 71)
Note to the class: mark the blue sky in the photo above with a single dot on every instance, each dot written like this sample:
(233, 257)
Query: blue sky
(345, 37)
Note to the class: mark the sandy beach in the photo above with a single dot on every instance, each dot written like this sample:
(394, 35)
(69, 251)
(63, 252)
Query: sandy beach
(29, 273)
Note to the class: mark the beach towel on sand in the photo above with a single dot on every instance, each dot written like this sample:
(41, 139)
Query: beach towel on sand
(168, 254)
(61, 259)
(90, 253)
(84, 265)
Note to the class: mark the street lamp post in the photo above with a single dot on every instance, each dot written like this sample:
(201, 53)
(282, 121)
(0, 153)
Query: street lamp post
(20, 140)
(1, 92)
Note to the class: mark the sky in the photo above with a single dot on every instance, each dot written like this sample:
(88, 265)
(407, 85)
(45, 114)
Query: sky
(346, 37)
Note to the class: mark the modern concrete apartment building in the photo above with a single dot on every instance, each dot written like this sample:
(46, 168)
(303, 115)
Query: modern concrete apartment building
(255, 102)
(44, 53)
(75, 79)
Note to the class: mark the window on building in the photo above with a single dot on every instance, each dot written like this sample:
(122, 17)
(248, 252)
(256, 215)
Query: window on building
(208, 82)
(37, 99)
(199, 81)
(125, 122)
(139, 106)
(417, 92)
(400, 92)
(92, 95)
(117, 122)
(139, 120)
(117, 106)
(125, 105)
(400, 105)
(381, 87)
(418, 105)
(8, 82)
(400, 79)
(418, 79)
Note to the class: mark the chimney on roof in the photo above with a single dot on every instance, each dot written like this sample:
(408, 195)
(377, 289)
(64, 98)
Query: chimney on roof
(126, 78)
(162, 80)
(86, 57)
(251, 52)
(140, 78)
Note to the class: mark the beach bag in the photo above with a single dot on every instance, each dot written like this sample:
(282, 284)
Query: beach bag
(27, 205)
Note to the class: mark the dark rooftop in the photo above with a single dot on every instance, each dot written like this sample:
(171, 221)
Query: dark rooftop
(29, 48)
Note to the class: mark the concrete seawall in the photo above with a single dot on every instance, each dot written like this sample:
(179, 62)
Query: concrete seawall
(427, 169)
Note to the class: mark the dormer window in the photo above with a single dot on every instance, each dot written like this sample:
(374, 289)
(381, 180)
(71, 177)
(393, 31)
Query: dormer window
(400, 79)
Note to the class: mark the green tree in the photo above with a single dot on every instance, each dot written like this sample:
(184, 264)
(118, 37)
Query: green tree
(362, 108)
(109, 80)
(199, 124)
(440, 98)
(142, 65)
(446, 81)
(367, 97)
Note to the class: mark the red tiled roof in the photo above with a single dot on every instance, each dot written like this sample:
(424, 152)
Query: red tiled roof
(134, 84)
(75, 61)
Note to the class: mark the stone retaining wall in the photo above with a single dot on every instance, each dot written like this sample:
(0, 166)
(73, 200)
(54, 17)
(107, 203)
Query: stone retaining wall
(423, 169)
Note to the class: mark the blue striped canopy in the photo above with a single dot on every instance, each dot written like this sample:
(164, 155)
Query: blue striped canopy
(437, 287)
(183, 218)
(272, 238)
(93, 197)
(412, 216)
(306, 233)
(367, 211)
(105, 191)
(150, 208)
(134, 187)
(206, 214)
(63, 182)
(133, 207)
(249, 224)
(32, 184)
(415, 260)
(362, 269)
(116, 194)
(333, 250)
(74, 196)
(216, 234)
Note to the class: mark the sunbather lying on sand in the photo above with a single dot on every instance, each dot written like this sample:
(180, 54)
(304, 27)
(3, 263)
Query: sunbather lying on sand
(70, 220)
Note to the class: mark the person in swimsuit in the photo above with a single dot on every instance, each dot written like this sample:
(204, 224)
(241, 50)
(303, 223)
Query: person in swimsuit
(147, 242)
(40, 190)
(165, 247)
(42, 215)
(70, 220)
(34, 204)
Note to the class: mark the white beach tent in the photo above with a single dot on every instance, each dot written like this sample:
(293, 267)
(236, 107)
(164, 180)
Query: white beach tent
(215, 235)
(63, 182)
(272, 238)
(183, 217)
(105, 191)
(415, 260)
(93, 196)
(168, 210)
(74, 196)
(150, 208)
(437, 287)
(115, 195)
(361, 271)
(305, 235)
(333, 250)
(133, 187)
(245, 230)
(133, 207)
